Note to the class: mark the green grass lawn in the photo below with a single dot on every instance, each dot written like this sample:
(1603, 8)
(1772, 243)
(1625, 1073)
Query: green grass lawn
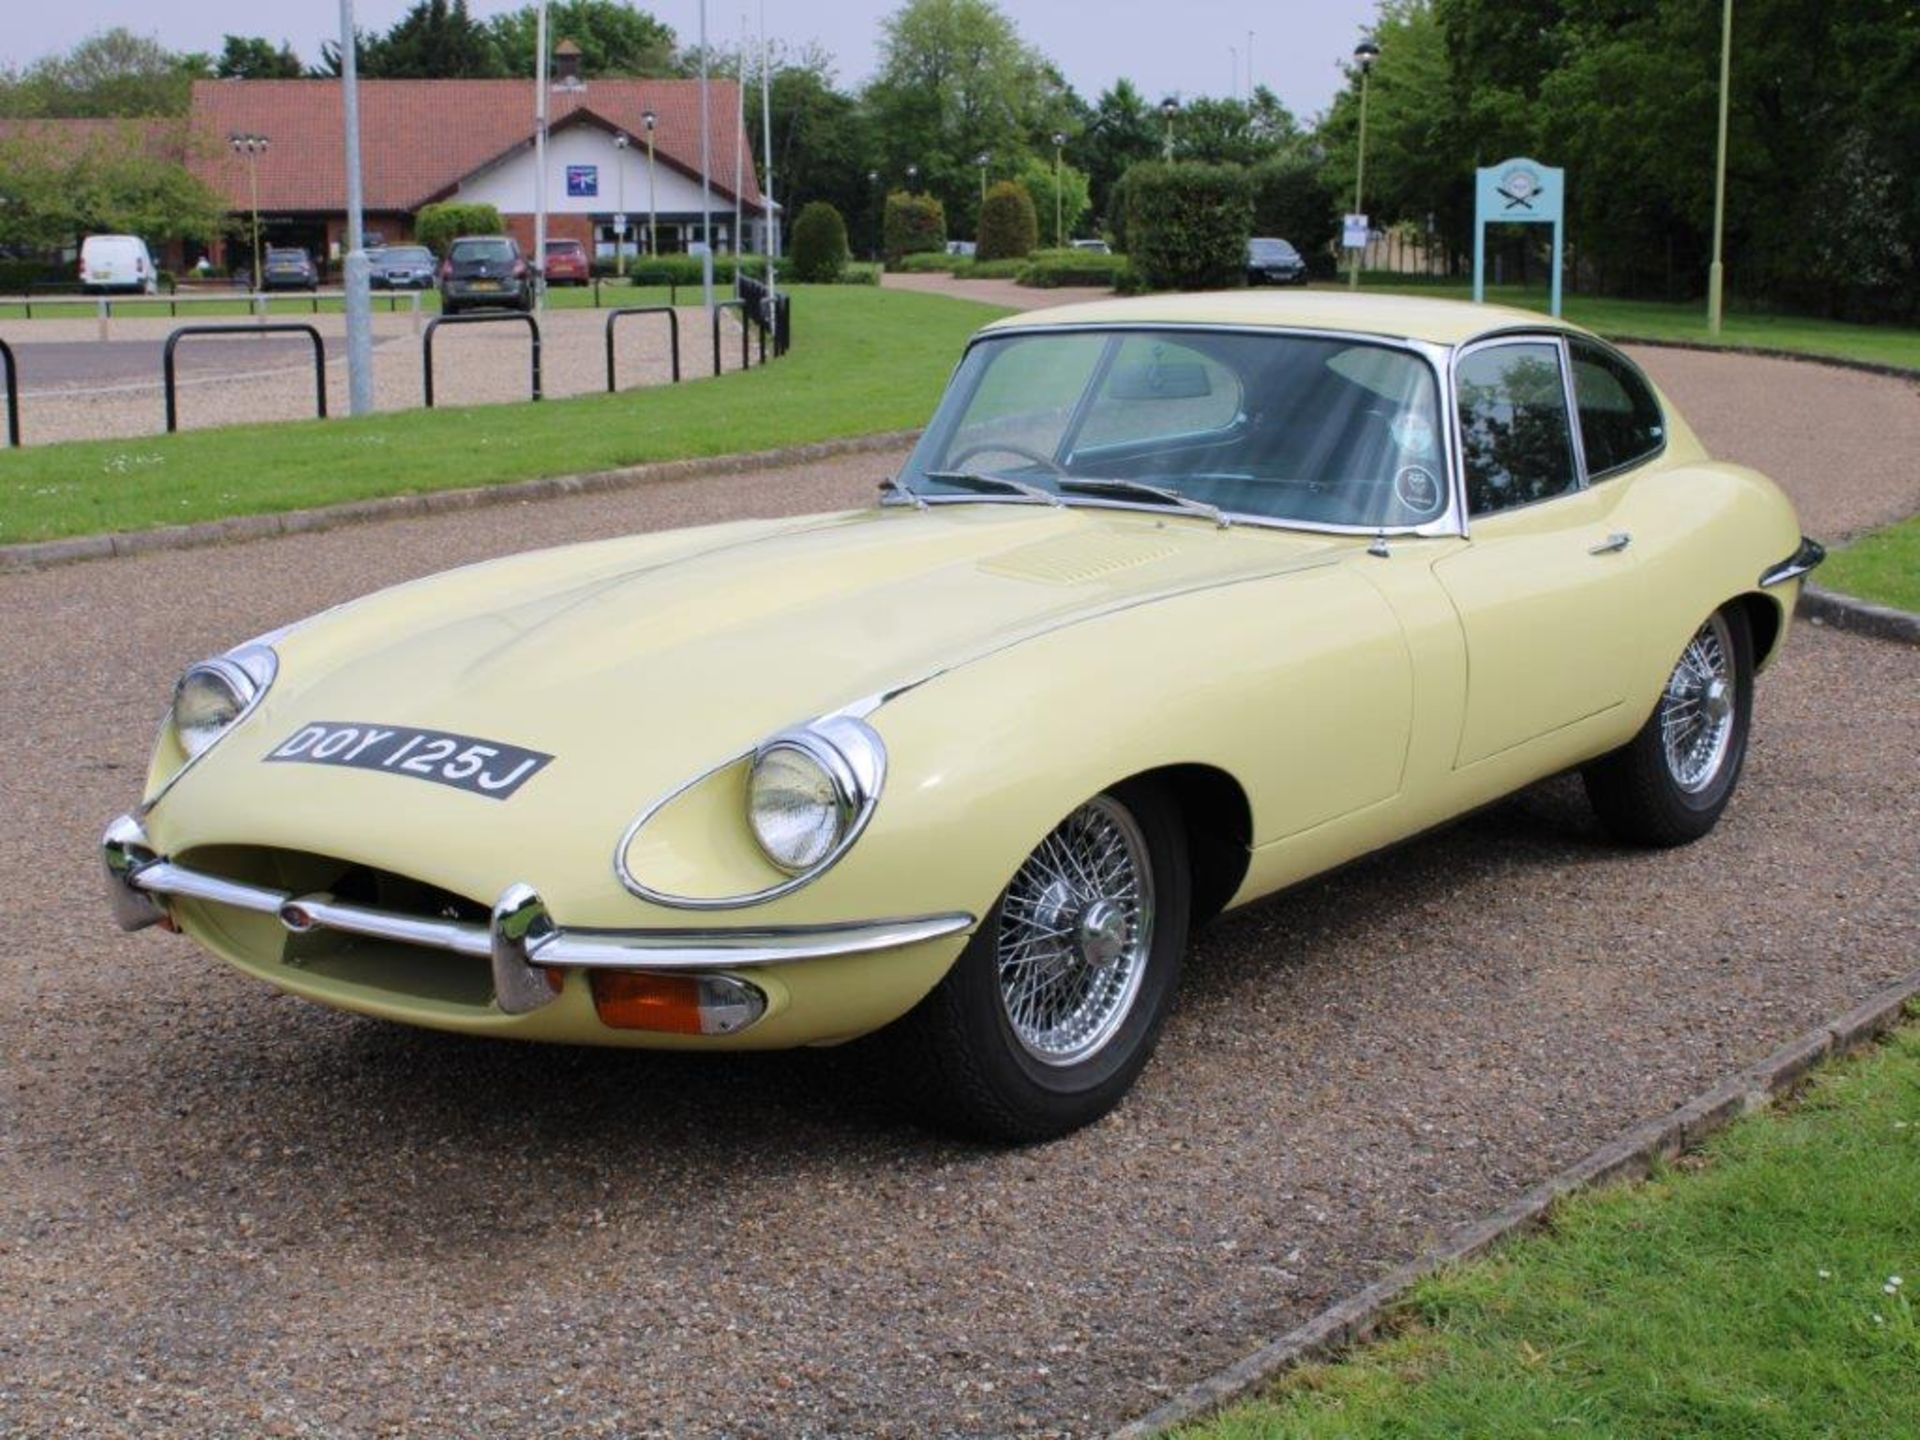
(1747, 1292)
(1657, 320)
(1883, 567)
(863, 360)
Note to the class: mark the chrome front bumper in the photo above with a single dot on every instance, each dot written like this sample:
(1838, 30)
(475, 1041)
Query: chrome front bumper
(521, 941)
(1803, 561)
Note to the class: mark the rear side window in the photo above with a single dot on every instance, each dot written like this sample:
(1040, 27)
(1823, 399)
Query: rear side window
(1514, 431)
(1621, 423)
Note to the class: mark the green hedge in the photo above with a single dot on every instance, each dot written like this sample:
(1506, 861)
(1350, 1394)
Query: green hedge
(1008, 227)
(914, 225)
(438, 226)
(990, 269)
(1292, 201)
(819, 244)
(932, 262)
(1051, 269)
(16, 275)
(1188, 224)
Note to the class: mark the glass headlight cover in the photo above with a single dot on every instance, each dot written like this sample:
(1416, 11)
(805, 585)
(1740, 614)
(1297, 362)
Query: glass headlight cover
(214, 694)
(810, 790)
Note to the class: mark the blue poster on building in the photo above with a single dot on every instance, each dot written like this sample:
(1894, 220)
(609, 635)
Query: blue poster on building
(583, 181)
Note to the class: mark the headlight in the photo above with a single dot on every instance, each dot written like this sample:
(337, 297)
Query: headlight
(213, 694)
(811, 790)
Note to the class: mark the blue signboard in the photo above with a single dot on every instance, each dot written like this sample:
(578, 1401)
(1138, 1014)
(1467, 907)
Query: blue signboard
(1517, 190)
(583, 181)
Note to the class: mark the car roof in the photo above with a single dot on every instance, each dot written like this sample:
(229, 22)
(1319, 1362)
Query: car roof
(1442, 322)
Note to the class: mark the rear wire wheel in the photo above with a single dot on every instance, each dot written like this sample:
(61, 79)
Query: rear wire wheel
(1050, 1013)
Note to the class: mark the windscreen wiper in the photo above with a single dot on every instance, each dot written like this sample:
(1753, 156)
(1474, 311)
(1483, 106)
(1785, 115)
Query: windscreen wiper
(991, 484)
(1141, 490)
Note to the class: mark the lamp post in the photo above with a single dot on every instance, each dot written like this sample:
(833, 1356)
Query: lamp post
(250, 148)
(1059, 211)
(1169, 108)
(358, 300)
(1714, 271)
(621, 141)
(879, 213)
(913, 177)
(981, 160)
(653, 218)
(1364, 54)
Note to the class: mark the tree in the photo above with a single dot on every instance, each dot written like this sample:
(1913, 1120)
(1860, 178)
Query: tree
(955, 81)
(614, 39)
(1123, 131)
(1009, 229)
(819, 244)
(438, 226)
(248, 57)
(915, 225)
(434, 40)
(114, 72)
(1037, 176)
(1292, 200)
(1234, 132)
(128, 181)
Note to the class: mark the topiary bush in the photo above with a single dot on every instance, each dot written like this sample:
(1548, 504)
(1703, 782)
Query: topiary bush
(438, 226)
(1051, 269)
(914, 225)
(819, 244)
(1188, 224)
(1009, 229)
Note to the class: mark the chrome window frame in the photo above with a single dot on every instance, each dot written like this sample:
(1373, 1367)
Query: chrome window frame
(1450, 522)
(1557, 339)
(1660, 402)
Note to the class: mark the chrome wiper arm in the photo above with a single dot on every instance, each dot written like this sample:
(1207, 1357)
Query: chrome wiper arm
(1141, 490)
(973, 480)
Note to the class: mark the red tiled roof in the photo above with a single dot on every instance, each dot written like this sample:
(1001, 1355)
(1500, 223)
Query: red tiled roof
(419, 138)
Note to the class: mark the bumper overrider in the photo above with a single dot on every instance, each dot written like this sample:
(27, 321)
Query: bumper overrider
(525, 948)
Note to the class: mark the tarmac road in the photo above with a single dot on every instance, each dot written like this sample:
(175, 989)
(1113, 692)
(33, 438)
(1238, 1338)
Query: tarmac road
(223, 1212)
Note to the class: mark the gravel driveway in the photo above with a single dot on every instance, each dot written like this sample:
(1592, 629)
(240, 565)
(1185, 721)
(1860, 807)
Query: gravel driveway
(224, 1212)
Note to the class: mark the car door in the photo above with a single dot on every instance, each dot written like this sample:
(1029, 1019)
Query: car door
(1544, 586)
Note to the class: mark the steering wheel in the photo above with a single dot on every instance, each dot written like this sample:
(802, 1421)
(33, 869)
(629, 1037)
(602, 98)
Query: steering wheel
(1007, 447)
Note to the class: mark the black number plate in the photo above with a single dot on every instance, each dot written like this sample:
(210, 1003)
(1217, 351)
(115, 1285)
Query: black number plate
(483, 767)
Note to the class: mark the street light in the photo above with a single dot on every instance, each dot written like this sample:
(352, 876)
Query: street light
(1714, 272)
(913, 176)
(981, 160)
(621, 141)
(250, 148)
(1169, 108)
(879, 213)
(653, 219)
(1059, 230)
(1364, 54)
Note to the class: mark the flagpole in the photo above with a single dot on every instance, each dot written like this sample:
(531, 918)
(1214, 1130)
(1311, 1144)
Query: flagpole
(706, 169)
(739, 138)
(359, 302)
(539, 262)
(766, 133)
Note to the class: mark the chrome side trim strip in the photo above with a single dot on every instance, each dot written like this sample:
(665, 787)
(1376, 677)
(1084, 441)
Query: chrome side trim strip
(520, 942)
(1801, 562)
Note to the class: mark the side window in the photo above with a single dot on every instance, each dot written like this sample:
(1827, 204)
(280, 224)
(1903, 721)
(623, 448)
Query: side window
(1620, 420)
(1514, 432)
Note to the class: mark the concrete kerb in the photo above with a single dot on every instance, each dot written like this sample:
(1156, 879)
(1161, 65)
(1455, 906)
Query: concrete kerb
(1843, 612)
(1804, 357)
(1351, 1321)
(40, 554)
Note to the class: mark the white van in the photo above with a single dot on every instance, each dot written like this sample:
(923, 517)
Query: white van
(117, 262)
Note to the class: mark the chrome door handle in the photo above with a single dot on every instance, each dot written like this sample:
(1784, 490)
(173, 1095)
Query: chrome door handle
(1618, 540)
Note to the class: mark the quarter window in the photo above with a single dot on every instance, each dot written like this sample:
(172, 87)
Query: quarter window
(1621, 423)
(1514, 433)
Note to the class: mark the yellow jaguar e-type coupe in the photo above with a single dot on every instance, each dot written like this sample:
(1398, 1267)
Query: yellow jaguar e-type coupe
(1178, 601)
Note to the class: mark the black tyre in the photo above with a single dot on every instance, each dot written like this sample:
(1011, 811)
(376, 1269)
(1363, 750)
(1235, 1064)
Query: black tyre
(1049, 1015)
(1668, 785)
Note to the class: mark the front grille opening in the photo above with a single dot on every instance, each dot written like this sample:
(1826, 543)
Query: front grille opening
(416, 973)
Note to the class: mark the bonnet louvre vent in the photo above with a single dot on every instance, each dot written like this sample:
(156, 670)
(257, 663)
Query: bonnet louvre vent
(1075, 559)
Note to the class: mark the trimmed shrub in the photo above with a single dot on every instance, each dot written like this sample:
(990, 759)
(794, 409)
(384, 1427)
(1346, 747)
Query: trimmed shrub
(914, 225)
(16, 275)
(1292, 201)
(1009, 230)
(1188, 225)
(978, 269)
(438, 226)
(819, 244)
(1051, 269)
(932, 262)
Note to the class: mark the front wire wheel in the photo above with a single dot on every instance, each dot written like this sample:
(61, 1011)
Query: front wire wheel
(1669, 784)
(1050, 1013)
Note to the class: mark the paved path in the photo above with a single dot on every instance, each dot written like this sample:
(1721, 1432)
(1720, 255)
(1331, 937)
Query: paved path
(224, 1212)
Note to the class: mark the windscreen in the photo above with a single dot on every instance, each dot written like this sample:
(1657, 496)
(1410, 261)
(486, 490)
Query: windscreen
(1281, 427)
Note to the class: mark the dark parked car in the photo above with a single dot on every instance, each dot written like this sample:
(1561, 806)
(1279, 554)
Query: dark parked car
(401, 267)
(1274, 262)
(567, 263)
(289, 270)
(482, 271)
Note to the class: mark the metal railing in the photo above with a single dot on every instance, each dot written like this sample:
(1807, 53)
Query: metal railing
(278, 327)
(13, 396)
(426, 342)
(741, 307)
(771, 313)
(673, 335)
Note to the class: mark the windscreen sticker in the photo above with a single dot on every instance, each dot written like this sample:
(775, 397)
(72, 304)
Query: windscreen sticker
(491, 768)
(1418, 490)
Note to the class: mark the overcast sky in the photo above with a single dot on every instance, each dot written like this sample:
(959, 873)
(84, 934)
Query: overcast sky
(1165, 46)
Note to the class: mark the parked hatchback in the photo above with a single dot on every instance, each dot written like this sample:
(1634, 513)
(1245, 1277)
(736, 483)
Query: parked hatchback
(289, 269)
(567, 263)
(401, 267)
(1274, 262)
(482, 271)
(110, 263)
